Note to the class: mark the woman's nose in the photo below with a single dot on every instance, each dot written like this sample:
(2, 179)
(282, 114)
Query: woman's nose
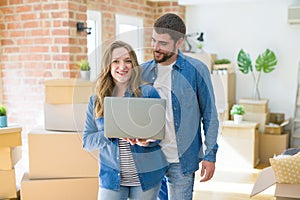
(122, 65)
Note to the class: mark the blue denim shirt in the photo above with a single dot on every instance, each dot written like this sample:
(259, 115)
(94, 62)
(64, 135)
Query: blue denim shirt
(150, 161)
(193, 105)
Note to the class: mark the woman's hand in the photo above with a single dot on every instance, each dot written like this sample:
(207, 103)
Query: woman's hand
(140, 142)
(130, 140)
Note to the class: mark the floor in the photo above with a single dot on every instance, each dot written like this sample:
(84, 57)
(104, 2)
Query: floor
(228, 183)
(231, 185)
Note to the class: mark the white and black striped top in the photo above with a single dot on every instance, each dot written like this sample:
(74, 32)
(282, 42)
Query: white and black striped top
(129, 176)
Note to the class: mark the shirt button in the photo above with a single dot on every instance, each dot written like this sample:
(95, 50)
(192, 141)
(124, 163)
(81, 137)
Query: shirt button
(117, 158)
(118, 174)
(153, 78)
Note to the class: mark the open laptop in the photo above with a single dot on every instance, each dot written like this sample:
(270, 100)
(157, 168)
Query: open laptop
(129, 117)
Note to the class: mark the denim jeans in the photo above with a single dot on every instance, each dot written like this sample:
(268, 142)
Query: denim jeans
(180, 186)
(129, 192)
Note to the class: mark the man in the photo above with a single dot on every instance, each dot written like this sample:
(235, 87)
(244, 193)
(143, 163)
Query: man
(186, 85)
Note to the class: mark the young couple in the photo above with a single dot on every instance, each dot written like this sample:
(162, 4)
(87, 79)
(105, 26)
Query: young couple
(185, 84)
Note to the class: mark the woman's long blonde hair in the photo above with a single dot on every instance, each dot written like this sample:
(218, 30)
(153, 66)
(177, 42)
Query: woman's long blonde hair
(105, 83)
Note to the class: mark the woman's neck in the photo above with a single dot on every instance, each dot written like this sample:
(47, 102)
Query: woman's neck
(120, 89)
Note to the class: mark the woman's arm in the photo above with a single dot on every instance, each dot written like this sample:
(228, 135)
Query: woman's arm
(93, 134)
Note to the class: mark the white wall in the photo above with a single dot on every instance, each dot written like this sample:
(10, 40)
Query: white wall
(253, 26)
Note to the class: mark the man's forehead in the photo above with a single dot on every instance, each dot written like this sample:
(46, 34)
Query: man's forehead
(162, 36)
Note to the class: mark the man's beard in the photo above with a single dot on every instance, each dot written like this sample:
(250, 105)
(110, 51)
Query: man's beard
(166, 56)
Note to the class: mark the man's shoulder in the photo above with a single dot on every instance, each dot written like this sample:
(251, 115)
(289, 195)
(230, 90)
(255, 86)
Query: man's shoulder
(148, 64)
(192, 63)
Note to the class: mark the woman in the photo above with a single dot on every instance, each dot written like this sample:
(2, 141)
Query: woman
(124, 171)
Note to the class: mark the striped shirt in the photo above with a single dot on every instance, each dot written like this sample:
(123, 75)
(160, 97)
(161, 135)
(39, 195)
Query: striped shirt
(129, 176)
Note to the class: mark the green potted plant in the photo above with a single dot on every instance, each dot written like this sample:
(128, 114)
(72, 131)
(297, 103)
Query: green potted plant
(3, 117)
(265, 63)
(237, 111)
(223, 65)
(85, 68)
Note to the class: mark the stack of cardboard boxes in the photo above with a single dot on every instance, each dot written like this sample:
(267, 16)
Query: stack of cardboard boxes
(224, 91)
(10, 154)
(59, 168)
(273, 139)
(256, 111)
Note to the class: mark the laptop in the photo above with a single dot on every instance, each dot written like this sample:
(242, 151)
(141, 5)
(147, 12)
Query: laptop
(129, 117)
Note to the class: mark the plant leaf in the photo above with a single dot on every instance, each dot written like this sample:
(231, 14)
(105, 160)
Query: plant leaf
(244, 62)
(266, 61)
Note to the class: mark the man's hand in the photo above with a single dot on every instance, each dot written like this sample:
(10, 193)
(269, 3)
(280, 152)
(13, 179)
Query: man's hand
(207, 170)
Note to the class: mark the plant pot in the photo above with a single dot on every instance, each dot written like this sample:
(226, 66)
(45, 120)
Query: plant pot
(85, 75)
(237, 119)
(3, 121)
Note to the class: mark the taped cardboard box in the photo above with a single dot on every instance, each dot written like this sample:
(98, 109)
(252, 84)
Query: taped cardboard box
(10, 136)
(255, 106)
(270, 145)
(68, 91)
(65, 117)
(8, 187)
(9, 156)
(54, 154)
(260, 118)
(59, 189)
(267, 178)
(240, 143)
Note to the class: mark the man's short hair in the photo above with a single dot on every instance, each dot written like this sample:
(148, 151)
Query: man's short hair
(171, 24)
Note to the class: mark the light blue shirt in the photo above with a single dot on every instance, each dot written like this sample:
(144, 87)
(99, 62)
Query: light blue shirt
(193, 105)
(150, 161)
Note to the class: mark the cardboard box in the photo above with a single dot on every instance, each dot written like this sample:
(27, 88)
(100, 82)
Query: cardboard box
(65, 117)
(228, 67)
(270, 145)
(68, 91)
(276, 129)
(277, 118)
(260, 118)
(240, 143)
(59, 189)
(10, 136)
(9, 156)
(255, 106)
(224, 87)
(206, 58)
(8, 187)
(276, 123)
(267, 179)
(59, 155)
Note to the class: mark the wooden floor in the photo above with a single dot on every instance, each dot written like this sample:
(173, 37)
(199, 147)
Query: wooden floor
(230, 185)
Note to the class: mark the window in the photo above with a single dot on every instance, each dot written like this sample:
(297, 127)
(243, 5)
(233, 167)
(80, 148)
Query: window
(93, 42)
(130, 30)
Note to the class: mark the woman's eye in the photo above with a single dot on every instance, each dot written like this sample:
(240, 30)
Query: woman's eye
(128, 61)
(115, 61)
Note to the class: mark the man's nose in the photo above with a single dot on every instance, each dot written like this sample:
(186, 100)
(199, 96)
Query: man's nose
(155, 46)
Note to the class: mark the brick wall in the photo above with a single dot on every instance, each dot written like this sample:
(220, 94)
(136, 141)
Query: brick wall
(39, 41)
